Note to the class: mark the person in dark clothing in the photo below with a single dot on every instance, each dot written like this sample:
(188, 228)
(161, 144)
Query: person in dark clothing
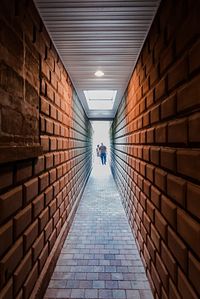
(103, 153)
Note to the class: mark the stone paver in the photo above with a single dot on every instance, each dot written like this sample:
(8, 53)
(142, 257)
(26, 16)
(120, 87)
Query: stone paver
(99, 259)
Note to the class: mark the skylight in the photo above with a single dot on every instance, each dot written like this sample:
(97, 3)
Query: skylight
(100, 99)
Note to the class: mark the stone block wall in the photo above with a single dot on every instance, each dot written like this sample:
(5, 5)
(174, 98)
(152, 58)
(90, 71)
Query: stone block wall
(43, 176)
(156, 151)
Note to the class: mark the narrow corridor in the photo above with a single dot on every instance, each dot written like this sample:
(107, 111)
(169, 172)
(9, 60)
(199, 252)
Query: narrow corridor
(99, 258)
(67, 66)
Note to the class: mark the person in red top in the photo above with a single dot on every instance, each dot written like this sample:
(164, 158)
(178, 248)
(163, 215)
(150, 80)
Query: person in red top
(103, 153)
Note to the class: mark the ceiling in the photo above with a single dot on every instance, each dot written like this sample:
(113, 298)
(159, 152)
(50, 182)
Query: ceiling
(93, 35)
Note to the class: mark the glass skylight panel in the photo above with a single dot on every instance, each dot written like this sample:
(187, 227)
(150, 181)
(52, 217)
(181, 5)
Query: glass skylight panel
(100, 105)
(100, 99)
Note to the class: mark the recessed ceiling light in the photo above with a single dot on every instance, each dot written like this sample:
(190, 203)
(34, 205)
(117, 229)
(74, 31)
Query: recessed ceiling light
(99, 74)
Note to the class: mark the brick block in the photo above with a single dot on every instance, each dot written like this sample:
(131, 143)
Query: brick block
(31, 189)
(10, 202)
(178, 73)
(6, 177)
(168, 158)
(161, 225)
(160, 179)
(22, 220)
(177, 131)
(7, 291)
(150, 210)
(151, 248)
(146, 119)
(43, 181)
(20, 294)
(153, 76)
(38, 205)
(188, 163)
(45, 69)
(168, 210)
(56, 217)
(52, 239)
(173, 292)
(50, 93)
(178, 249)
(22, 272)
(30, 235)
(189, 230)
(43, 257)
(56, 188)
(155, 237)
(184, 287)
(38, 246)
(52, 176)
(194, 128)
(168, 107)
(146, 153)
(169, 261)
(187, 34)
(161, 134)
(52, 207)
(155, 155)
(150, 135)
(146, 222)
(43, 219)
(44, 106)
(194, 272)
(38, 165)
(48, 195)
(49, 126)
(167, 58)
(42, 124)
(10, 261)
(56, 159)
(194, 62)
(49, 161)
(155, 114)
(6, 237)
(30, 281)
(150, 172)
(192, 201)
(176, 189)
(161, 269)
(45, 143)
(24, 171)
(48, 230)
(189, 96)
(58, 227)
(147, 257)
(156, 279)
(155, 197)
(146, 188)
(160, 89)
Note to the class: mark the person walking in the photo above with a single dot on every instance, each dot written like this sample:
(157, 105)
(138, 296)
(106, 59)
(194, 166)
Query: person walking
(97, 150)
(103, 152)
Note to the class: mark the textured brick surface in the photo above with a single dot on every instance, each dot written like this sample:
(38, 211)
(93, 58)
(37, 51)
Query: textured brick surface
(38, 105)
(167, 141)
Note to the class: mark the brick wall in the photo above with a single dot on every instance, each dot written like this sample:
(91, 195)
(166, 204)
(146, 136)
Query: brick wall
(38, 196)
(156, 154)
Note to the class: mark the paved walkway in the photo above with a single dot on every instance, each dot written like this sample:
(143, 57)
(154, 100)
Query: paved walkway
(99, 258)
